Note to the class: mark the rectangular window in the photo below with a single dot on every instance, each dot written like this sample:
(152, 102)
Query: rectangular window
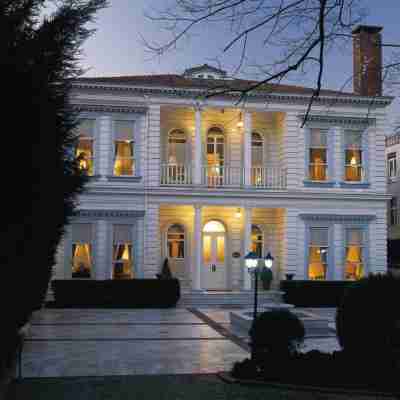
(391, 165)
(122, 252)
(84, 145)
(354, 263)
(124, 159)
(393, 211)
(318, 157)
(353, 156)
(318, 253)
(82, 247)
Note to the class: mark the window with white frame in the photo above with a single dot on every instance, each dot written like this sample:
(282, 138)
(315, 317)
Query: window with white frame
(84, 145)
(82, 250)
(177, 147)
(353, 156)
(393, 211)
(391, 165)
(257, 241)
(176, 241)
(318, 251)
(318, 155)
(354, 258)
(124, 148)
(122, 252)
(257, 159)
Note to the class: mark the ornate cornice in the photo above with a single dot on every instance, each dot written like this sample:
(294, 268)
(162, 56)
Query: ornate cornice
(337, 217)
(339, 120)
(114, 107)
(256, 95)
(108, 214)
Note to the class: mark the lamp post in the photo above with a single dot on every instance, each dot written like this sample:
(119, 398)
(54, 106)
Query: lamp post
(251, 261)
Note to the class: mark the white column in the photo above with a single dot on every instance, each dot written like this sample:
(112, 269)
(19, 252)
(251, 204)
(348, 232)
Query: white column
(139, 239)
(103, 148)
(197, 246)
(197, 170)
(247, 128)
(101, 266)
(337, 272)
(246, 246)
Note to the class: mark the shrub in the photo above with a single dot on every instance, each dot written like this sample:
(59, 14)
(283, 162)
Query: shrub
(368, 319)
(276, 334)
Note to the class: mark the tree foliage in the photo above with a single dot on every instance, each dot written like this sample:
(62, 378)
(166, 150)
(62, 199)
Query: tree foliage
(41, 179)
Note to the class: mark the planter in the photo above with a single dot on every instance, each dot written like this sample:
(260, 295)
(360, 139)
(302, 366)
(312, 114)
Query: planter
(289, 277)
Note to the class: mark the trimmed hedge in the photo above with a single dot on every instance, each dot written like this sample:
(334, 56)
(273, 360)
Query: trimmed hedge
(130, 293)
(314, 293)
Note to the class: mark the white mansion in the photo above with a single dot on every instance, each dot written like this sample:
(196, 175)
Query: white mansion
(203, 180)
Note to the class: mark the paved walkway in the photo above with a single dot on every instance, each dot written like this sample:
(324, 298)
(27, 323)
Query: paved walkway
(100, 342)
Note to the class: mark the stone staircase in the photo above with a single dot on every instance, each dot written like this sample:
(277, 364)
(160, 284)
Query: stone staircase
(226, 299)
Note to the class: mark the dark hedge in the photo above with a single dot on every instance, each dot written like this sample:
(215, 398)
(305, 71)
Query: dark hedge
(130, 293)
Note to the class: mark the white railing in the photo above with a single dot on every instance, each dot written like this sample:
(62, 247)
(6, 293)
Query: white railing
(223, 176)
(268, 177)
(176, 174)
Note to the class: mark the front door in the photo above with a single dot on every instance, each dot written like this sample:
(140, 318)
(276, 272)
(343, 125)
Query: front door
(214, 271)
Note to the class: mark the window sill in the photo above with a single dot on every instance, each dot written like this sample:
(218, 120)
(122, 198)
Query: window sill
(309, 183)
(124, 178)
(355, 185)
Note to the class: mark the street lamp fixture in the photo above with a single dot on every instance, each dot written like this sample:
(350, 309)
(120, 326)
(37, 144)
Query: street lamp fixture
(268, 260)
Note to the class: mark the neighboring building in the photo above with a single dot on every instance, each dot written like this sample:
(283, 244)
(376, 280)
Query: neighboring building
(201, 181)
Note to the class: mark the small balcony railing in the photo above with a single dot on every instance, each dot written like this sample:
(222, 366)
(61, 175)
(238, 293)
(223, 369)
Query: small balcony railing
(225, 176)
(176, 174)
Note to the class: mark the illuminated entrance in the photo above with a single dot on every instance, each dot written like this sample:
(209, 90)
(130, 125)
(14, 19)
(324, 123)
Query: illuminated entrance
(214, 256)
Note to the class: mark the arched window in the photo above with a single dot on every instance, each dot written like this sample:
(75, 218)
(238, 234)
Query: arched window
(176, 241)
(177, 147)
(215, 147)
(257, 149)
(257, 241)
(213, 227)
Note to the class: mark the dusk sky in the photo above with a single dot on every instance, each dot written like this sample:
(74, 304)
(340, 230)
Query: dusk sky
(116, 48)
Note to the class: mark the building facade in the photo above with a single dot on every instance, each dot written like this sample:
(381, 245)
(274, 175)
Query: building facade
(202, 180)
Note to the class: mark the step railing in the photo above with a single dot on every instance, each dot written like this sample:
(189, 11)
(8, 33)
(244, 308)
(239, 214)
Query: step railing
(176, 174)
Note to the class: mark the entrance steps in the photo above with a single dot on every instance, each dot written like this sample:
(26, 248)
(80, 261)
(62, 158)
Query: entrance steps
(226, 299)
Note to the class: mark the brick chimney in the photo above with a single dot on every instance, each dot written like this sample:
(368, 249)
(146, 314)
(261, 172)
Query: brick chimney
(367, 60)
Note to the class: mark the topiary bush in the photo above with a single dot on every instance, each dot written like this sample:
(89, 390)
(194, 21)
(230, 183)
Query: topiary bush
(368, 322)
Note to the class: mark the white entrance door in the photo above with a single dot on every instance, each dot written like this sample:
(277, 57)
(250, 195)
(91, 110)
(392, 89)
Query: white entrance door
(214, 271)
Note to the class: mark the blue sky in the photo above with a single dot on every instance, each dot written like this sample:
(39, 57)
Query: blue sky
(116, 47)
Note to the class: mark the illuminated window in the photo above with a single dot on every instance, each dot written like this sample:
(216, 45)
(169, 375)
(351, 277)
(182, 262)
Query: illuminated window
(176, 147)
(124, 160)
(391, 165)
(318, 167)
(353, 156)
(215, 156)
(257, 241)
(176, 241)
(82, 245)
(84, 145)
(122, 252)
(354, 267)
(318, 250)
(213, 227)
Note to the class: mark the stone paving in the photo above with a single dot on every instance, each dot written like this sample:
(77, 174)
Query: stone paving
(99, 342)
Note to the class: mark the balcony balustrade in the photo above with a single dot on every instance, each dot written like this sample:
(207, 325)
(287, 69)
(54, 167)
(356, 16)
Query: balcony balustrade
(215, 176)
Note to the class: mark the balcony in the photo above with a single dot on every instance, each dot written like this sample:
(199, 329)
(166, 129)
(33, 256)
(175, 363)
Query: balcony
(223, 176)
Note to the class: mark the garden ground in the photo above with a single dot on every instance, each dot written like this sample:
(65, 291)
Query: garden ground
(118, 354)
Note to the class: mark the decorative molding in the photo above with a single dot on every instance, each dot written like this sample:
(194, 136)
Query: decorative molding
(114, 107)
(271, 97)
(337, 218)
(339, 120)
(100, 214)
(124, 178)
(321, 184)
(355, 185)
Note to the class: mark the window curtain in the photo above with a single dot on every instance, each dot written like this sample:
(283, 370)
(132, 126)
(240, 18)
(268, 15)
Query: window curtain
(318, 253)
(353, 156)
(354, 262)
(124, 163)
(81, 260)
(318, 154)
